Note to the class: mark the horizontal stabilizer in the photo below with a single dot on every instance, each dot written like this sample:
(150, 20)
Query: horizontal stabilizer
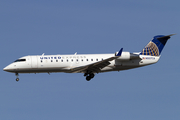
(167, 36)
(164, 39)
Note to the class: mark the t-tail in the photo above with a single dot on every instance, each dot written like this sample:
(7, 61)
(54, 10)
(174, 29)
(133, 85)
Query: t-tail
(156, 45)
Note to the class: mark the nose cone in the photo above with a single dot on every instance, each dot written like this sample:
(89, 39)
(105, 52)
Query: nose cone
(8, 68)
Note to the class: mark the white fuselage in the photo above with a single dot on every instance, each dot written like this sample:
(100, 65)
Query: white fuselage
(65, 63)
(90, 64)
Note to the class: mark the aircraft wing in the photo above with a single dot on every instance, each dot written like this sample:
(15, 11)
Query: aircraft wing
(94, 67)
(97, 66)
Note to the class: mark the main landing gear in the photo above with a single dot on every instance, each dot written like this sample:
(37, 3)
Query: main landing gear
(89, 75)
(17, 79)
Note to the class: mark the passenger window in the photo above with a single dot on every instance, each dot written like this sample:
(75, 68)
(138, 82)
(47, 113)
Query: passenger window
(87, 59)
(91, 59)
(96, 59)
(61, 60)
(51, 60)
(56, 60)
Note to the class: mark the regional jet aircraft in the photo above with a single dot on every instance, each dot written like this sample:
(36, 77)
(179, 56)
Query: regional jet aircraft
(90, 64)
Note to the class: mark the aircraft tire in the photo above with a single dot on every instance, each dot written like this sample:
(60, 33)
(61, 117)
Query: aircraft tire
(17, 79)
(92, 75)
(88, 78)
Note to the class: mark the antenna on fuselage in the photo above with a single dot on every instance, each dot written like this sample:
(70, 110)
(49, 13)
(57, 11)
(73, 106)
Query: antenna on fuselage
(75, 53)
(43, 54)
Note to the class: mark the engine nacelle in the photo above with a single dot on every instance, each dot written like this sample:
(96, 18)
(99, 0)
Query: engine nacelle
(124, 56)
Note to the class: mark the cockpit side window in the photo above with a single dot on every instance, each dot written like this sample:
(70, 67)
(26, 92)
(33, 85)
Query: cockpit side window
(20, 60)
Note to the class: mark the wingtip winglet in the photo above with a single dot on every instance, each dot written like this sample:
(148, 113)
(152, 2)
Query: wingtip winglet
(120, 52)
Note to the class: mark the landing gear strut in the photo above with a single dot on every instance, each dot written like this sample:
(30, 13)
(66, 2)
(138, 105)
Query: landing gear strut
(17, 79)
(89, 75)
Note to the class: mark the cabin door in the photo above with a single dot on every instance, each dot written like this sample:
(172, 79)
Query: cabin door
(34, 63)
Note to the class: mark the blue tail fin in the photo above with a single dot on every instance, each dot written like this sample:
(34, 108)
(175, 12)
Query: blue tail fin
(156, 45)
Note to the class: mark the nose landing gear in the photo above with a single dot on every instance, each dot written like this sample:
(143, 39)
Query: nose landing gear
(17, 79)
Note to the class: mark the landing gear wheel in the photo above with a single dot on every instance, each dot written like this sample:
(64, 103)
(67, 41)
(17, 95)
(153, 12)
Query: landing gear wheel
(91, 75)
(17, 79)
(88, 78)
(85, 74)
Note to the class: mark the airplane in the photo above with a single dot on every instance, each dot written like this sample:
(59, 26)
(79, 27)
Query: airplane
(90, 64)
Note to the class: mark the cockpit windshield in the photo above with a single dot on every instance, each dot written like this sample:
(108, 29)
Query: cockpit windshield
(20, 60)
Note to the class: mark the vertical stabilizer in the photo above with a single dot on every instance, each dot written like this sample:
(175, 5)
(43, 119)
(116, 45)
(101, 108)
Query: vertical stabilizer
(156, 45)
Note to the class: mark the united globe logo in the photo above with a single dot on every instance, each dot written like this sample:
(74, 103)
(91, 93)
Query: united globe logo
(150, 49)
